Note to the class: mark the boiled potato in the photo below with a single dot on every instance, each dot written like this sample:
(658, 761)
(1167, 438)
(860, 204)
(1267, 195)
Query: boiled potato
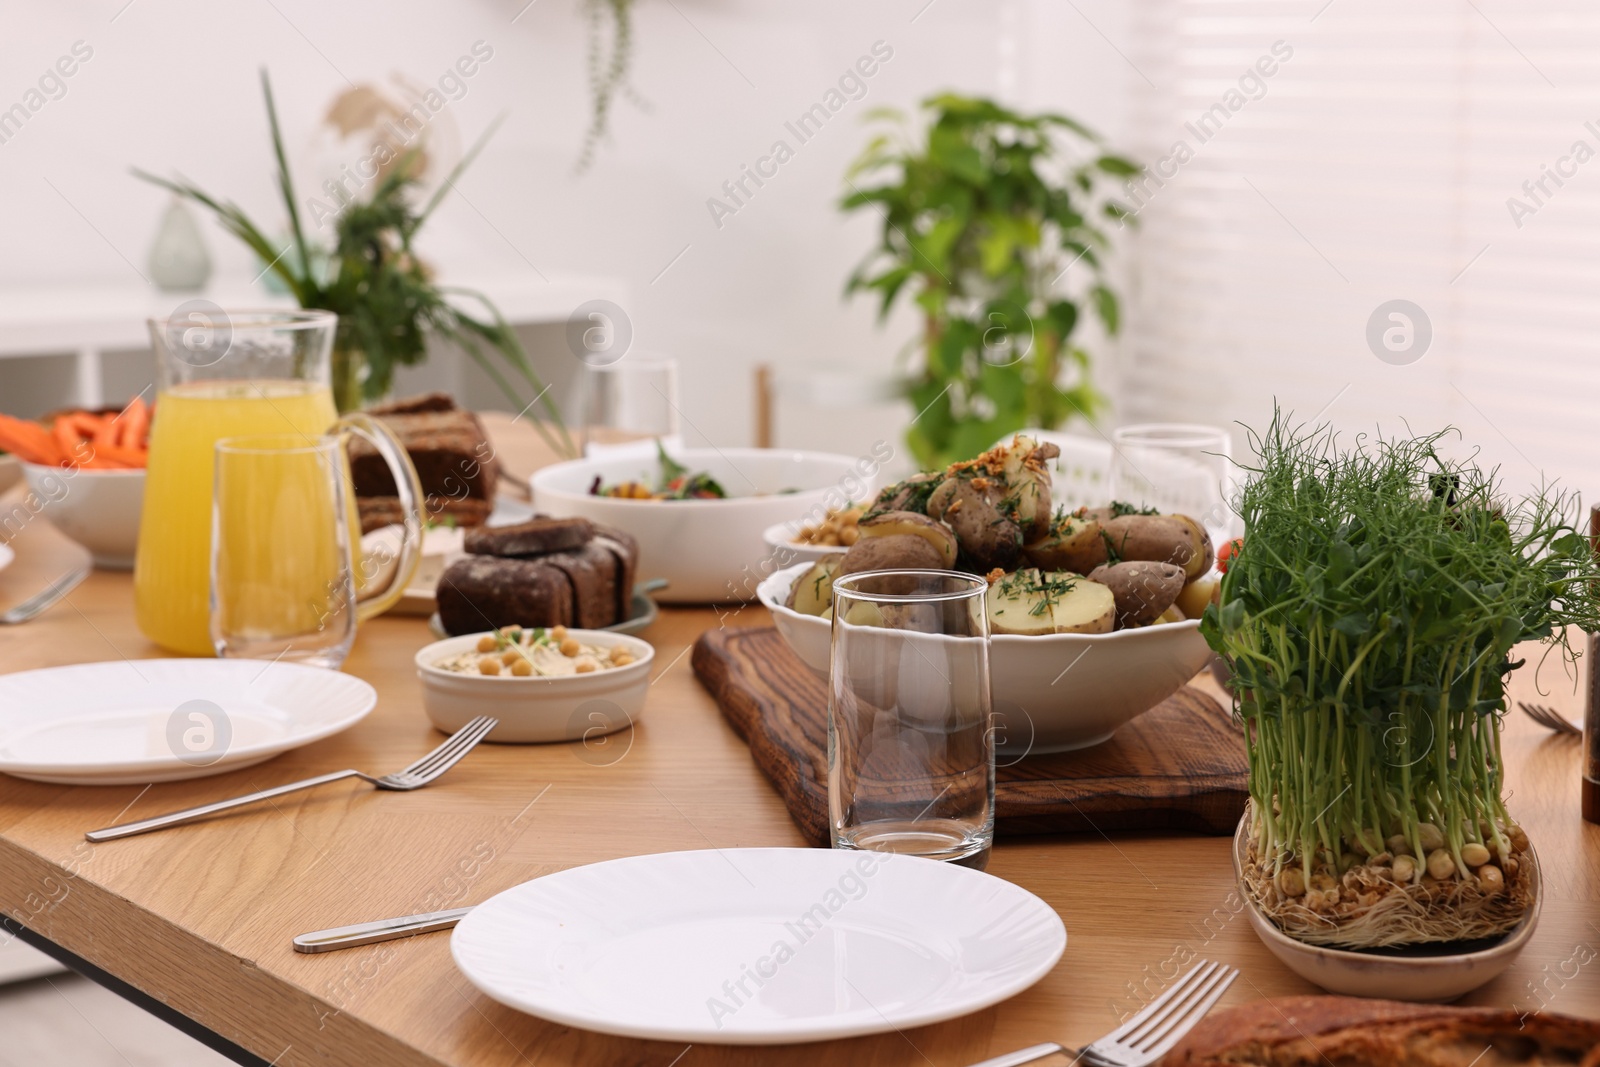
(1017, 605)
(1032, 603)
(988, 538)
(1071, 544)
(1029, 482)
(863, 613)
(1172, 614)
(1085, 608)
(1200, 562)
(1196, 595)
(1143, 588)
(896, 523)
(940, 498)
(1157, 538)
(812, 592)
(892, 552)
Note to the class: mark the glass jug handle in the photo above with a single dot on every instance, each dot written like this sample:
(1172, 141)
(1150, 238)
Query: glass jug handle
(409, 489)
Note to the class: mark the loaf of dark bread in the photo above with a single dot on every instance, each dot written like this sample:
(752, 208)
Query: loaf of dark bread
(449, 448)
(514, 576)
(1349, 1032)
(480, 593)
(538, 536)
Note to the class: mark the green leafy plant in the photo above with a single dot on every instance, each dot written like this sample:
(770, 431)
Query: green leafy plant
(981, 220)
(1368, 619)
(385, 296)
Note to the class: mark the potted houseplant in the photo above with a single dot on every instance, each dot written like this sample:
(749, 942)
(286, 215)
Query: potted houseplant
(981, 218)
(388, 303)
(1368, 618)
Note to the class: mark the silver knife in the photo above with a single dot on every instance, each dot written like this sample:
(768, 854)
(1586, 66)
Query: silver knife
(383, 930)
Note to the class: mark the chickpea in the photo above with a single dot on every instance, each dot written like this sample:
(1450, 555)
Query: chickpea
(558, 634)
(1405, 869)
(1292, 882)
(622, 660)
(849, 536)
(522, 668)
(1474, 855)
(586, 665)
(489, 665)
(511, 655)
(487, 643)
(570, 647)
(1441, 864)
(620, 652)
(1490, 880)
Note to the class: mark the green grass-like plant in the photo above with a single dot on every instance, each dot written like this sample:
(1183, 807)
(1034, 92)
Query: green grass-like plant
(1369, 619)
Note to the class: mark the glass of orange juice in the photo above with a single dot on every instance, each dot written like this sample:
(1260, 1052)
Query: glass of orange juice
(235, 374)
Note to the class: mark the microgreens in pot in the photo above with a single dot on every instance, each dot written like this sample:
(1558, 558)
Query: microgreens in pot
(1369, 619)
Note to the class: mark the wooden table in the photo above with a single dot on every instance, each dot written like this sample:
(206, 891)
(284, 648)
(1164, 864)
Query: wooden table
(199, 918)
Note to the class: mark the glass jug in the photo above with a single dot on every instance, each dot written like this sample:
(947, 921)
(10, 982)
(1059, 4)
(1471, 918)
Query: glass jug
(230, 374)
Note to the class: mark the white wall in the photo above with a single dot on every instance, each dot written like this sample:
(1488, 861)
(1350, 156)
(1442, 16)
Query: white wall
(172, 86)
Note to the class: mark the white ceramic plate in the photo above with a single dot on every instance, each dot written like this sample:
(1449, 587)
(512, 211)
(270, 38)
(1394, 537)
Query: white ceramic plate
(7, 554)
(161, 720)
(758, 946)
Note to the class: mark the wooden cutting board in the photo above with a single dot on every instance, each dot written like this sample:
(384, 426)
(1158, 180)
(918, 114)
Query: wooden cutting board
(1179, 766)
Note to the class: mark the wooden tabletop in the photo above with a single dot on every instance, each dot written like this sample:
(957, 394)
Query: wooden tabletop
(201, 917)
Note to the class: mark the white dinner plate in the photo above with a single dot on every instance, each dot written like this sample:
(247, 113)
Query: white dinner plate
(129, 722)
(758, 946)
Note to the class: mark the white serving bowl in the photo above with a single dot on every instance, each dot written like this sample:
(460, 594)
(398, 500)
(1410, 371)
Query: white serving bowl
(99, 509)
(576, 707)
(1423, 975)
(1051, 694)
(786, 552)
(707, 550)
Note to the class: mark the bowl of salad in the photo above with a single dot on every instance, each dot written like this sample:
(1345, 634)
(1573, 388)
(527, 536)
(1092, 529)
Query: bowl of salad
(699, 513)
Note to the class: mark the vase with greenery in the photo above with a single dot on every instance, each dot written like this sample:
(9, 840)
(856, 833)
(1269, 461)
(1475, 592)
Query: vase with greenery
(389, 305)
(983, 215)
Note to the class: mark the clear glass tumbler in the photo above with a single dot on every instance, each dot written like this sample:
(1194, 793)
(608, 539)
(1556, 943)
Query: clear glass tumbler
(1177, 468)
(910, 745)
(631, 401)
(281, 579)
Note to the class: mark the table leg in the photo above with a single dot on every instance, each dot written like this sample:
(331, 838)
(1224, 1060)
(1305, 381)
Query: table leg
(207, 1037)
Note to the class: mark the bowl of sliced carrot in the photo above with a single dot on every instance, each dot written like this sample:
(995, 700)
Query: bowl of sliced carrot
(86, 473)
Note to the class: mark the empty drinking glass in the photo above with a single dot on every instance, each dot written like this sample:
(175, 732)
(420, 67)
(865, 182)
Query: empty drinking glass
(1176, 468)
(910, 749)
(622, 404)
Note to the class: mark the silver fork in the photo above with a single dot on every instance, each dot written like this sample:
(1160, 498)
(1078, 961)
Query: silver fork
(415, 776)
(1551, 719)
(1150, 1034)
(52, 593)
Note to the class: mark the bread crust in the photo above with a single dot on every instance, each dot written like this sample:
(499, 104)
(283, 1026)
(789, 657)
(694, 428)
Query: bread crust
(1351, 1032)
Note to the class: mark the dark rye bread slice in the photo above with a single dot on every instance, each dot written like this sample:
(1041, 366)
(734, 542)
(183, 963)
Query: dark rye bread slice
(536, 537)
(480, 593)
(624, 549)
(592, 571)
